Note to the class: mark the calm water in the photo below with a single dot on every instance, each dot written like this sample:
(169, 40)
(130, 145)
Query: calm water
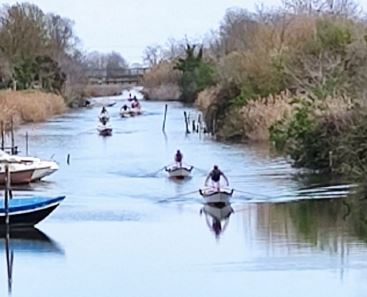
(125, 229)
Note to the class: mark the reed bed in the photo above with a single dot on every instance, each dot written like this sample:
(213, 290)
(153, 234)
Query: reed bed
(29, 106)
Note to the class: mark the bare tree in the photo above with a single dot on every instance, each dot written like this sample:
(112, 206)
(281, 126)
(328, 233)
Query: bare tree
(152, 55)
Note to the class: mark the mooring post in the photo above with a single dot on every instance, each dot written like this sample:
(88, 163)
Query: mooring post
(164, 118)
(13, 151)
(186, 122)
(26, 143)
(2, 135)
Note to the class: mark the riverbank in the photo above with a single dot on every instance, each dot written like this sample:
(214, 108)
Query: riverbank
(29, 106)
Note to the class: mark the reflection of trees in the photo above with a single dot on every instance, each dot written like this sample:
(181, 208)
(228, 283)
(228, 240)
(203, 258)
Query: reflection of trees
(327, 224)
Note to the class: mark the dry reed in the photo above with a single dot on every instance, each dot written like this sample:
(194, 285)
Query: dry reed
(260, 114)
(29, 106)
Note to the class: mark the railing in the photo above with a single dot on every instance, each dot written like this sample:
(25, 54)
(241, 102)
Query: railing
(115, 75)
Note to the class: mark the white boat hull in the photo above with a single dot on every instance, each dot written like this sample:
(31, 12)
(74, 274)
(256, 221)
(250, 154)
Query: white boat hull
(212, 195)
(40, 168)
(179, 172)
(125, 114)
(104, 130)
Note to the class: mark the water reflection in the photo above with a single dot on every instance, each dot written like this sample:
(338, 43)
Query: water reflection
(334, 225)
(30, 240)
(217, 216)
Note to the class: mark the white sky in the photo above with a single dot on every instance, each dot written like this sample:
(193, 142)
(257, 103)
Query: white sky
(128, 27)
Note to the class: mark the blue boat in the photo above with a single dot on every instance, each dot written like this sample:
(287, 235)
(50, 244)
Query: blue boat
(28, 211)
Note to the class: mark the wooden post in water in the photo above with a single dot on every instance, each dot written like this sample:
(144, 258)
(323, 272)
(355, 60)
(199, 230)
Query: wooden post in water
(2, 135)
(164, 118)
(13, 150)
(68, 159)
(26, 143)
(193, 126)
(186, 122)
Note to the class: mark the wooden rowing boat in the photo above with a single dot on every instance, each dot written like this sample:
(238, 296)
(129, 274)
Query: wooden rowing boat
(178, 172)
(213, 195)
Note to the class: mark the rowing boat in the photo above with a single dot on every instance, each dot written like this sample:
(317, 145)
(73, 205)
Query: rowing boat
(178, 172)
(213, 195)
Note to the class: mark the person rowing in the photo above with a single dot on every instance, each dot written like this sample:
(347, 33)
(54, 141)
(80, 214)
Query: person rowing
(215, 176)
(178, 158)
(104, 116)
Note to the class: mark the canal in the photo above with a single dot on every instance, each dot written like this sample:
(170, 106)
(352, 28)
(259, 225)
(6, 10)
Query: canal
(125, 229)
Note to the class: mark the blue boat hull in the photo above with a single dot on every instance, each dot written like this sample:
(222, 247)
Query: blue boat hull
(25, 213)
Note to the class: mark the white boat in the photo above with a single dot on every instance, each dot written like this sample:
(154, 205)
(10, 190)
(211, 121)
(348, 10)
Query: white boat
(104, 130)
(125, 112)
(135, 111)
(179, 172)
(40, 167)
(213, 195)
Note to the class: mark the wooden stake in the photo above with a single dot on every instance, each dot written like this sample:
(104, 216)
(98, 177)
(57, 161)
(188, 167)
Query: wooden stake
(186, 122)
(26, 143)
(164, 118)
(13, 150)
(2, 136)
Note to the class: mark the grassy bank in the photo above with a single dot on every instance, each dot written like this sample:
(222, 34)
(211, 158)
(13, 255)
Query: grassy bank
(29, 106)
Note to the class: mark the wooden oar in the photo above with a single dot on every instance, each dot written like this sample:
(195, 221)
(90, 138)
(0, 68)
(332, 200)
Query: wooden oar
(177, 196)
(252, 194)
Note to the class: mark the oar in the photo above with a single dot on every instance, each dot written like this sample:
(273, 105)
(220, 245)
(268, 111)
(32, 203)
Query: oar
(177, 196)
(156, 172)
(252, 194)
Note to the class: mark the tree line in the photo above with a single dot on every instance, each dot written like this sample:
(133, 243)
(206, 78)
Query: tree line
(293, 75)
(41, 51)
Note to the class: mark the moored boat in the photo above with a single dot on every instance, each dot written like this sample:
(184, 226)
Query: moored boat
(179, 172)
(213, 195)
(20, 174)
(27, 211)
(41, 168)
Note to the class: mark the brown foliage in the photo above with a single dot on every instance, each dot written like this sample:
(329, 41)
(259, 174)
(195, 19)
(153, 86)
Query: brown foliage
(259, 115)
(29, 106)
(161, 81)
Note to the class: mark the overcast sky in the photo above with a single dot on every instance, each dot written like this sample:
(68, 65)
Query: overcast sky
(129, 26)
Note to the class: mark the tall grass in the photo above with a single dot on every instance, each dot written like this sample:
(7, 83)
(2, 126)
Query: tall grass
(260, 114)
(29, 106)
(161, 82)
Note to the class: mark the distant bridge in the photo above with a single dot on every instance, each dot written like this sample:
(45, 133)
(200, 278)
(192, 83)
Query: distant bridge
(115, 76)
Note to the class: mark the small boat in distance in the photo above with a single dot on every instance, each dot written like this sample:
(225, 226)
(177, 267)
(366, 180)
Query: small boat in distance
(213, 195)
(125, 111)
(104, 129)
(25, 212)
(179, 172)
